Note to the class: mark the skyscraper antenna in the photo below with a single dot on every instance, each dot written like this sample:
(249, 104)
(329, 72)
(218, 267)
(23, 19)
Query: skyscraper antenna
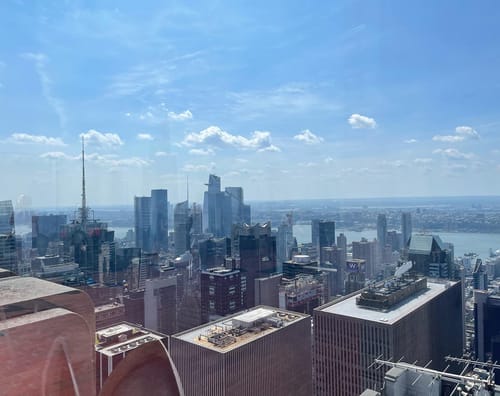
(83, 210)
(187, 188)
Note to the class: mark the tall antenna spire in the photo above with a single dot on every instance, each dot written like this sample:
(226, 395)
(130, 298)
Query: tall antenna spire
(83, 209)
(187, 188)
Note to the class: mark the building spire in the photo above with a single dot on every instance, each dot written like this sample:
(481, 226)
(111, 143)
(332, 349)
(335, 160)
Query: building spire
(83, 209)
(187, 189)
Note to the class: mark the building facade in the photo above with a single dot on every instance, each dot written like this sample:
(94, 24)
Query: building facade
(264, 351)
(409, 318)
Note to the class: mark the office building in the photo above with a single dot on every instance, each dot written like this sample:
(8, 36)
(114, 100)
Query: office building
(151, 221)
(182, 228)
(366, 250)
(266, 290)
(47, 338)
(7, 223)
(406, 228)
(8, 252)
(213, 252)
(406, 317)
(223, 292)
(284, 241)
(249, 230)
(334, 258)
(142, 219)
(326, 236)
(159, 220)
(160, 304)
(381, 231)
(479, 276)
(257, 256)
(322, 235)
(222, 209)
(430, 257)
(212, 207)
(263, 351)
(354, 275)
(487, 325)
(44, 230)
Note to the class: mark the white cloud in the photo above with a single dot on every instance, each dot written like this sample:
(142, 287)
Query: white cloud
(185, 115)
(58, 155)
(214, 136)
(272, 149)
(37, 139)
(467, 132)
(145, 136)
(307, 164)
(453, 154)
(112, 160)
(161, 154)
(422, 160)
(448, 138)
(102, 139)
(411, 141)
(461, 133)
(207, 151)
(358, 121)
(328, 160)
(308, 137)
(198, 168)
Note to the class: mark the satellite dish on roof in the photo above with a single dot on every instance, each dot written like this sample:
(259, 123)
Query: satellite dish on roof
(403, 269)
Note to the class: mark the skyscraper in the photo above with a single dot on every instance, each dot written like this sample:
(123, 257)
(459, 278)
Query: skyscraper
(486, 325)
(7, 224)
(284, 241)
(151, 221)
(415, 319)
(88, 241)
(406, 227)
(212, 207)
(430, 256)
(381, 231)
(159, 220)
(263, 351)
(182, 228)
(326, 236)
(46, 229)
(366, 250)
(257, 256)
(223, 209)
(142, 220)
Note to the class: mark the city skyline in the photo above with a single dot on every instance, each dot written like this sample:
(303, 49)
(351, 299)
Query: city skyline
(285, 100)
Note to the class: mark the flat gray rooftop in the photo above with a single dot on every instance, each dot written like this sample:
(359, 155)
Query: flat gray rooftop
(197, 334)
(349, 308)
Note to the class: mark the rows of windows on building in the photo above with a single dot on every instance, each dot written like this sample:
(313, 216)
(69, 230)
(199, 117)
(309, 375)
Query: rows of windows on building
(172, 274)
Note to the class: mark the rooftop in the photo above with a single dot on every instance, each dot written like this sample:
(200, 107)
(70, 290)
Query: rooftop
(234, 331)
(422, 243)
(123, 337)
(348, 307)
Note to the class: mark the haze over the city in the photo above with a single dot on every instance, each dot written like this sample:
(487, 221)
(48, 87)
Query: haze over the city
(286, 99)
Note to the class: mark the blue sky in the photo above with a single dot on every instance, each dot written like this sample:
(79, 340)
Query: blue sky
(286, 99)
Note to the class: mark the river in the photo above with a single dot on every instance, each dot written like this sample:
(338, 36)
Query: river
(464, 242)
